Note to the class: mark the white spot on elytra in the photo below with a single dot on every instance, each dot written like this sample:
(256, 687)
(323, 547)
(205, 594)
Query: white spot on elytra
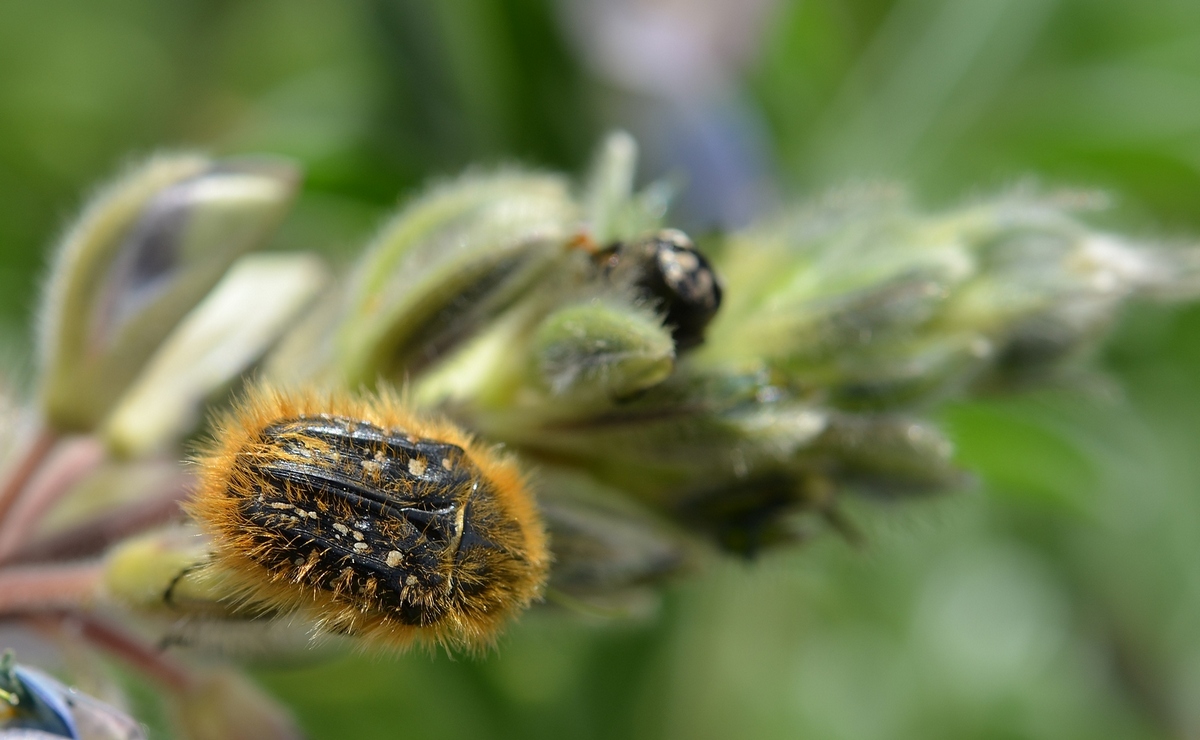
(416, 466)
(394, 558)
(358, 536)
(410, 581)
(341, 528)
(446, 463)
(361, 547)
(373, 468)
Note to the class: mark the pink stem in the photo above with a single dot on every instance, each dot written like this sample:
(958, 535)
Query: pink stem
(30, 589)
(140, 656)
(78, 457)
(91, 537)
(43, 442)
(120, 644)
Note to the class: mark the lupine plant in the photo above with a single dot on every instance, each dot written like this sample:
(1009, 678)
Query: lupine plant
(528, 393)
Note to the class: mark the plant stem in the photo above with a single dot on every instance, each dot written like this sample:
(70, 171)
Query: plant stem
(111, 639)
(30, 589)
(89, 538)
(43, 442)
(78, 457)
(139, 655)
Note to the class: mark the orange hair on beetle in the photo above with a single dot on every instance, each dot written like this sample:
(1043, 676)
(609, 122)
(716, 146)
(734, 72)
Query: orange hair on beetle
(379, 522)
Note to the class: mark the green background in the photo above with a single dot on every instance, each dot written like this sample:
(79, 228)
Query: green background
(1059, 598)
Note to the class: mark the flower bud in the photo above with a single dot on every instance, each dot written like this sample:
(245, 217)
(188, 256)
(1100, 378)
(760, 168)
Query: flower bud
(160, 571)
(885, 454)
(614, 211)
(166, 579)
(446, 266)
(233, 326)
(602, 349)
(881, 306)
(609, 187)
(139, 258)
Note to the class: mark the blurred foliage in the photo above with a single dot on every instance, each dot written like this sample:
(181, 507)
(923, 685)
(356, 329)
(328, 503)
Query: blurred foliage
(1059, 598)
